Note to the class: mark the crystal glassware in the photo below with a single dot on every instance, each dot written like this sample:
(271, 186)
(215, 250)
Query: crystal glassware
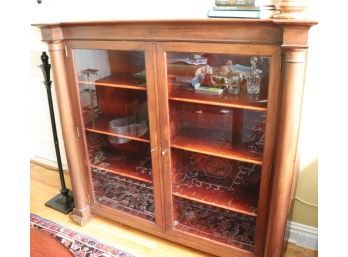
(234, 84)
(253, 83)
(254, 78)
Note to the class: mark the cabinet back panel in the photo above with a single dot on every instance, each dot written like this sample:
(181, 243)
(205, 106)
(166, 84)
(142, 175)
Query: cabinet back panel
(118, 101)
(126, 61)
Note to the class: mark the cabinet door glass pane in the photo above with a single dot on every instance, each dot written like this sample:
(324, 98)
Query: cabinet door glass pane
(217, 115)
(113, 101)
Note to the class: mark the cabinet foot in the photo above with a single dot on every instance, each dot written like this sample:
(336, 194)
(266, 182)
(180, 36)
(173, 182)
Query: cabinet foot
(81, 216)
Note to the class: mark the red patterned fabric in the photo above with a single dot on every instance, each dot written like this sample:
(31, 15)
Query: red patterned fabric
(80, 245)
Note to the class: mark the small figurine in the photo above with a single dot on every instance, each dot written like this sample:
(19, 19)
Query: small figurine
(226, 69)
(208, 79)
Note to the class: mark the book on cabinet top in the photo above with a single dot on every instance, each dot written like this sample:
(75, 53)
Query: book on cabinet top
(234, 2)
(243, 8)
(252, 14)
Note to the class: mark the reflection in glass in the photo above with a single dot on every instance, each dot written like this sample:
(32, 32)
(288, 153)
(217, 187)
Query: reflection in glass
(105, 77)
(212, 74)
(124, 194)
(218, 130)
(218, 181)
(113, 101)
(214, 223)
(217, 116)
(254, 78)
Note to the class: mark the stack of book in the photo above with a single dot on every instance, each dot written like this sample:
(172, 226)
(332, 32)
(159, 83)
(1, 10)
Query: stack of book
(242, 9)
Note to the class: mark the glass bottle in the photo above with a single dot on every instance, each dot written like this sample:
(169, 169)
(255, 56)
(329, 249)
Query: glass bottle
(254, 78)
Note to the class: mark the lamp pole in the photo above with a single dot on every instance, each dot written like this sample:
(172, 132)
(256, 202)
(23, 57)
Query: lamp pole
(63, 202)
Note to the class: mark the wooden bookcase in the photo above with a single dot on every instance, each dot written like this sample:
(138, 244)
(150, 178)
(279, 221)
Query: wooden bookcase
(145, 146)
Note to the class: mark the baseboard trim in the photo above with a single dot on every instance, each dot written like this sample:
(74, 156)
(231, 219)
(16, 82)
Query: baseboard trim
(304, 236)
(47, 163)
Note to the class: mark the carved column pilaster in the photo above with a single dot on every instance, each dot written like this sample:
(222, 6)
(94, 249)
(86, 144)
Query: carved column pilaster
(53, 36)
(285, 167)
(295, 40)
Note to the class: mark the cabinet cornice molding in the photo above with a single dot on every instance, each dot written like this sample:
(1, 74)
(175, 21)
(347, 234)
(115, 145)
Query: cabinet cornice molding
(295, 37)
(51, 33)
(260, 31)
(295, 32)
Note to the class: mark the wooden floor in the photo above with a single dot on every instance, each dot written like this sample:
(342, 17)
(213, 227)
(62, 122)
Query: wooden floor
(45, 184)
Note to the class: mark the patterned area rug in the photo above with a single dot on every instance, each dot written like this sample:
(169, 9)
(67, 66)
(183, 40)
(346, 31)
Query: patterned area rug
(80, 245)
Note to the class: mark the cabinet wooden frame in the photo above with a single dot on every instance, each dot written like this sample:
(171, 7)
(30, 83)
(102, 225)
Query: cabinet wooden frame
(285, 41)
(151, 96)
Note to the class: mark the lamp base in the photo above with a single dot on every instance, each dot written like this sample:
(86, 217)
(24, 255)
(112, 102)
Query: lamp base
(62, 203)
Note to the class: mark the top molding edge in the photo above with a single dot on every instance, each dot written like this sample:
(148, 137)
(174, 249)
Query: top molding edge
(217, 21)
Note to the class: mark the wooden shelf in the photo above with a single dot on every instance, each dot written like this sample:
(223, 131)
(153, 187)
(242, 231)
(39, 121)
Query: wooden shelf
(240, 101)
(100, 125)
(214, 143)
(119, 80)
(135, 165)
(126, 170)
(239, 200)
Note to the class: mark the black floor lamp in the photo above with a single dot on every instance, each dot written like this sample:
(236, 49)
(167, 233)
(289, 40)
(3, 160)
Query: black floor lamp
(63, 202)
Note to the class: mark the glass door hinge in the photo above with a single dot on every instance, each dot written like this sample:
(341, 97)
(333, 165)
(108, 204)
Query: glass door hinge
(77, 132)
(66, 51)
(271, 172)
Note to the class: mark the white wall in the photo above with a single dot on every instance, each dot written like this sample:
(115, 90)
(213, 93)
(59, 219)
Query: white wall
(65, 10)
(43, 148)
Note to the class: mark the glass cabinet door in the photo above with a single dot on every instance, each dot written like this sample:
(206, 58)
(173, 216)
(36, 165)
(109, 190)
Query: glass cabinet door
(112, 92)
(217, 114)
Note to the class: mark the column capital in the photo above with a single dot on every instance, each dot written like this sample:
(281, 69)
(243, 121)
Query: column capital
(52, 33)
